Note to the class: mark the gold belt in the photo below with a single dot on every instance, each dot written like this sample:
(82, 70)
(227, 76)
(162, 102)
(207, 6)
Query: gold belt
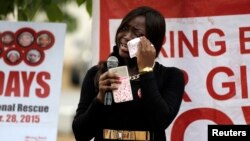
(126, 135)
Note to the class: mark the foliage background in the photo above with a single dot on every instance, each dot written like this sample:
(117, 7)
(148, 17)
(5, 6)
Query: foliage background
(27, 10)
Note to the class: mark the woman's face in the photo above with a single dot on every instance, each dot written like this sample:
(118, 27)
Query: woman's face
(135, 28)
(25, 39)
(8, 39)
(33, 57)
(13, 57)
(44, 41)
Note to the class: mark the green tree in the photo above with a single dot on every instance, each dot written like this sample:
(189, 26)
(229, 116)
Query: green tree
(27, 10)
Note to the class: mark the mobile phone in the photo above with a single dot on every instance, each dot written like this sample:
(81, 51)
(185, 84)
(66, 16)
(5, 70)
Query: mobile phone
(124, 91)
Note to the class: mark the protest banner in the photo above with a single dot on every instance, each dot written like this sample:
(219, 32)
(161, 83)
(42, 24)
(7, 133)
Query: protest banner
(210, 41)
(31, 62)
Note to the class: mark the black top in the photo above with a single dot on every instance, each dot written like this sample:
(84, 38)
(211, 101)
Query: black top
(161, 96)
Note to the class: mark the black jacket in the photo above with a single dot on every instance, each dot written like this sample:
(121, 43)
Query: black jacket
(162, 91)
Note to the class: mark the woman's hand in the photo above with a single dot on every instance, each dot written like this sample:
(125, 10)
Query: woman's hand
(107, 82)
(146, 54)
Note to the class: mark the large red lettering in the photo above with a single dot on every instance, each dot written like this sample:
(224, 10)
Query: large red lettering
(243, 40)
(44, 91)
(27, 80)
(13, 84)
(172, 44)
(246, 112)
(243, 77)
(206, 41)
(163, 52)
(229, 85)
(186, 118)
(192, 48)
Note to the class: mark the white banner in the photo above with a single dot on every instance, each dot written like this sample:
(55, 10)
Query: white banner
(211, 44)
(214, 53)
(216, 63)
(31, 62)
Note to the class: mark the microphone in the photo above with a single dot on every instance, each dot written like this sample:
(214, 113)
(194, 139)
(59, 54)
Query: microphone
(112, 62)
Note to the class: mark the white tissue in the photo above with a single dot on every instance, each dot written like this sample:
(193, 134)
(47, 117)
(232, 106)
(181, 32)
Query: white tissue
(133, 46)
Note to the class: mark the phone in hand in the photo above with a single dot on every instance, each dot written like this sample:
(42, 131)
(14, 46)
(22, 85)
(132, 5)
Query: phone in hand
(124, 91)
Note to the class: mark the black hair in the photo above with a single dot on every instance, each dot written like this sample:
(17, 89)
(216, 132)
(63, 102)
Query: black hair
(155, 25)
(155, 32)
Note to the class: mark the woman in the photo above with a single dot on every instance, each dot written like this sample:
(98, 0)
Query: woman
(33, 56)
(8, 39)
(25, 39)
(157, 92)
(13, 56)
(43, 40)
